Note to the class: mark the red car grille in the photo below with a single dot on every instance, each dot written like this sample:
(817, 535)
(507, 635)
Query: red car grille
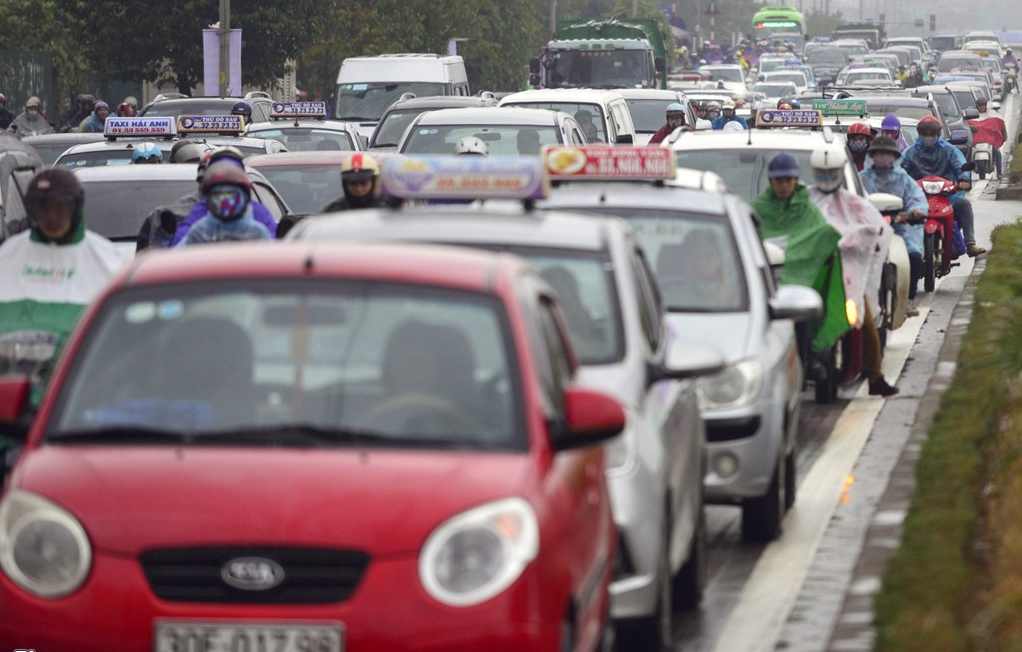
(310, 575)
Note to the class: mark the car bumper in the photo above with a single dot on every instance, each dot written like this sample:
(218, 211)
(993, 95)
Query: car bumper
(742, 448)
(115, 610)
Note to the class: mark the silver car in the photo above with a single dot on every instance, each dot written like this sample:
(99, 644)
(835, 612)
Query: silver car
(621, 335)
(715, 278)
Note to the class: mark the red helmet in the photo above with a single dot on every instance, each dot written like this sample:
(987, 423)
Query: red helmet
(929, 123)
(860, 128)
(3, 98)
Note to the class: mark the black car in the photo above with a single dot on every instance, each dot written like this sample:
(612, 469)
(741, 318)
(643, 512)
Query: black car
(954, 116)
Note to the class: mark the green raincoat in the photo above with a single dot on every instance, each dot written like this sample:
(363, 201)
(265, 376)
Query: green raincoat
(811, 256)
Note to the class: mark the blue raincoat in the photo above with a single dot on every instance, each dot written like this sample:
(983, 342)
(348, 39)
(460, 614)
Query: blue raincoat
(898, 182)
(941, 160)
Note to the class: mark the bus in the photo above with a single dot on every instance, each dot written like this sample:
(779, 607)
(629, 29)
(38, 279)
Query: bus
(772, 20)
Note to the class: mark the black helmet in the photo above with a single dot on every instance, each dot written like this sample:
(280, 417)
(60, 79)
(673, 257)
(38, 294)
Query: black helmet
(185, 151)
(242, 109)
(884, 144)
(55, 184)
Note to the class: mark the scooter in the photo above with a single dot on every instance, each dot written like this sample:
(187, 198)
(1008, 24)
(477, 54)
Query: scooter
(983, 157)
(1011, 79)
(938, 230)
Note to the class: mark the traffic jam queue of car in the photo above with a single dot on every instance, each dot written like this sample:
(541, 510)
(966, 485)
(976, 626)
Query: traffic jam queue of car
(471, 421)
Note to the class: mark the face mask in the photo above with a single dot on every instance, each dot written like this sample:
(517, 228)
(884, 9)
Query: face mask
(827, 180)
(226, 202)
(883, 161)
(675, 121)
(858, 146)
(928, 141)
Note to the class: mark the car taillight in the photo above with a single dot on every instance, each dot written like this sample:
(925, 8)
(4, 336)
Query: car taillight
(933, 187)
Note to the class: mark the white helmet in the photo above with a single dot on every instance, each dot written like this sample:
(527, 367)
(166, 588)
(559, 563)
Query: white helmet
(734, 125)
(828, 157)
(472, 145)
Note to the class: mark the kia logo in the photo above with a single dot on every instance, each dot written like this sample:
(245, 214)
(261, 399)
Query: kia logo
(252, 573)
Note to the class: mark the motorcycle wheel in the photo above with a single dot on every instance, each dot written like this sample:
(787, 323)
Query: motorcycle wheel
(929, 263)
(982, 169)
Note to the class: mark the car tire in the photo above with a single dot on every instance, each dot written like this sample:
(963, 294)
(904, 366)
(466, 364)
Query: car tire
(689, 583)
(654, 632)
(762, 517)
(929, 261)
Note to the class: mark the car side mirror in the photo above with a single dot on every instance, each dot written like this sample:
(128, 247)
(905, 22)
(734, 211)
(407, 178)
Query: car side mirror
(534, 66)
(886, 203)
(624, 139)
(658, 64)
(959, 136)
(796, 302)
(590, 417)
(685, 360)
(971, 114)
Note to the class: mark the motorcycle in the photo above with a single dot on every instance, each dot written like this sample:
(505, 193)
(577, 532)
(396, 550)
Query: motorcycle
(939, 228)
(983, 157)
(1010, 79)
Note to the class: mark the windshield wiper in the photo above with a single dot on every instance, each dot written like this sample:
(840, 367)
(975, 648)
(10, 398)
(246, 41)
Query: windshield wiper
(122, 434)
(295, 434)
(358, 118)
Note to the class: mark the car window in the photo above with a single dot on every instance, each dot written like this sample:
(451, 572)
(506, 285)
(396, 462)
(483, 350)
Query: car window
(116, 209)
(368, 101)
(589, 116)
(263, 194)
(556, 354)
(648, 115)
(399, 365)
(503, 140)
(298, 139)
(650, 304)
(98, 158)
(393, 126)
(305, 188)
(743, 170)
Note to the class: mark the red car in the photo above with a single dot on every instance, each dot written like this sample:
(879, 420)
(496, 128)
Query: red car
(297, 447)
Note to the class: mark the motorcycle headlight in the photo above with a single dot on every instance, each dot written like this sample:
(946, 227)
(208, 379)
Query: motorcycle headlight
(933, 187)
(43, 548)
(736, 386)
(474, 556)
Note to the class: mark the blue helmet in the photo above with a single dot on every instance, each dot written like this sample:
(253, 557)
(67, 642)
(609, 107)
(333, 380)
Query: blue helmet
(675, 107)
(147, 153)
(243, 109)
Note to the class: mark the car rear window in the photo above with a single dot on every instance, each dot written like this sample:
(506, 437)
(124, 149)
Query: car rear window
(116, 209)
(502, 140)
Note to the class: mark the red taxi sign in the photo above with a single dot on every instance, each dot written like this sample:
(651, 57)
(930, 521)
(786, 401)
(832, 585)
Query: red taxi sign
(202, 124)
(463, 177)
(298, 110)
(139, 126)
(603, 163)
(789, 118)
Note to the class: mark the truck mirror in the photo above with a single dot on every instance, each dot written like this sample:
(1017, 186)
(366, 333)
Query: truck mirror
(658, 64)
(534, 65)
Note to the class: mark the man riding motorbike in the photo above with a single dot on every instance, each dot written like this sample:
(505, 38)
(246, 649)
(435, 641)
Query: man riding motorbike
(865, 239)
(932, 156)
(859, 137)
(675, 118)
(990, 128)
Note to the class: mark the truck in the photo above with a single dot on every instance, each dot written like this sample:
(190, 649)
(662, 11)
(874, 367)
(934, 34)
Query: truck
(873, 34)
(612, 52)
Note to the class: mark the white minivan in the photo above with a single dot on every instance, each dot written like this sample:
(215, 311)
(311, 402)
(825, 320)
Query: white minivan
(366, 86)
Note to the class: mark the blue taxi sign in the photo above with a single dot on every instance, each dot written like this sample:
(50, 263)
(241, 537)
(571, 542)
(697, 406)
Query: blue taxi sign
(609, 163)
(789, 118)
(201, 124)
(298, 110)
(139, 126)
(463, 177)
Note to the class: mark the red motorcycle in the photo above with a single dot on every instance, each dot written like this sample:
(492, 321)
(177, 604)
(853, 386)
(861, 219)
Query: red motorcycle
(938, 231)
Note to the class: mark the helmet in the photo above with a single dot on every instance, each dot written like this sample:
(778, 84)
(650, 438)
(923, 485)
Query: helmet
(783, 165)
(3, 98)
(675, 107)
(33, 101)
(728, 104)
(147, 153)
(861, 129)
(981, 100)
(884, 144)
(227, 152)
(55, 184)
(733, 125)
(101, 105)
(928, 124)
(890, 123)
(88, 98)
(783, 106)
(795, 104)
(124, 108)
(829, 157)
(131, 101)
(1007, 50)
(186, 151)
(359, 167)
(472, 145)
(243, 109)
(225, 173)
(738, 53)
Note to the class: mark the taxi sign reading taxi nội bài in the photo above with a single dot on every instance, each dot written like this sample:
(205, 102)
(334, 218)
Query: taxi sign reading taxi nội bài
(463, 177)
(139, 126)
(789, 118)
(605, 163)
(298, 110)
(193, 124)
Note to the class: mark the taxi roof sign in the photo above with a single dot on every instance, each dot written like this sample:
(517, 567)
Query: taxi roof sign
(298, 110)
(116, 127)
(841, 106)
(207, 124)
(789, 118)
(603, 163)
(463, 177)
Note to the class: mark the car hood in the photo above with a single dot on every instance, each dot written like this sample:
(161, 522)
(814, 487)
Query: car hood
(730, 334)
(130, 499)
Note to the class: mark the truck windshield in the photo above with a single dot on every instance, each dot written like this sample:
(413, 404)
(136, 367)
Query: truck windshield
(367, 101)
(600, 69)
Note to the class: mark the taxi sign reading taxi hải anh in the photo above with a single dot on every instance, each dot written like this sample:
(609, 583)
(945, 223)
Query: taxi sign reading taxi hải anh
(209, 124)
(139, 126)
(840, 107)
(789, 118)
(298, 110)
(619, 162)
(463, 177)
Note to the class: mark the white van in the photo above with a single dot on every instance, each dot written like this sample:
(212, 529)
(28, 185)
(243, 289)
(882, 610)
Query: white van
(366, 86)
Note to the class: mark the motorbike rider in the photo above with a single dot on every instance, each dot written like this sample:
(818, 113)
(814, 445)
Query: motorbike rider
(891, 127)
(885, 175)
(990, 128)
(244, 109)
(73, 118)
(31, 121)
(360, 179)
(712, 111)
(859, 137)
(865, 239)
(675, 119)
(931, 155)
(159, 227)
(728, 109)
(6, 117)
(96, 122)
(810, 244)
(227, 192)
(1009, 59)
(52, 271)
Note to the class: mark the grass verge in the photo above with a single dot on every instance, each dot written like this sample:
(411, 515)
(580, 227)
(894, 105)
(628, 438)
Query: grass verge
(955, 583)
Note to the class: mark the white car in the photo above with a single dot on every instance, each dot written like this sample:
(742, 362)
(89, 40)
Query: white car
(302, 126)
(506, 131)
(603, 115)
(796, 77)
(648, 107)
(869, 76)
(732, 76)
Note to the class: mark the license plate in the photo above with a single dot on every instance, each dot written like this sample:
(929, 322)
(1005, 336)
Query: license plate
(247, 636)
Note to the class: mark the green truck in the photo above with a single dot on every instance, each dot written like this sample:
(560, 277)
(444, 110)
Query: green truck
(614, 52)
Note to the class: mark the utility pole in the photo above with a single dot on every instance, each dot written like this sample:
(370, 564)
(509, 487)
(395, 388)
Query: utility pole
(553, 16)
(225, 49)
(635, 8)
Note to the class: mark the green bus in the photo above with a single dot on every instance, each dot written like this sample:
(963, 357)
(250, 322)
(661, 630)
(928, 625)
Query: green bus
(773, 20)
